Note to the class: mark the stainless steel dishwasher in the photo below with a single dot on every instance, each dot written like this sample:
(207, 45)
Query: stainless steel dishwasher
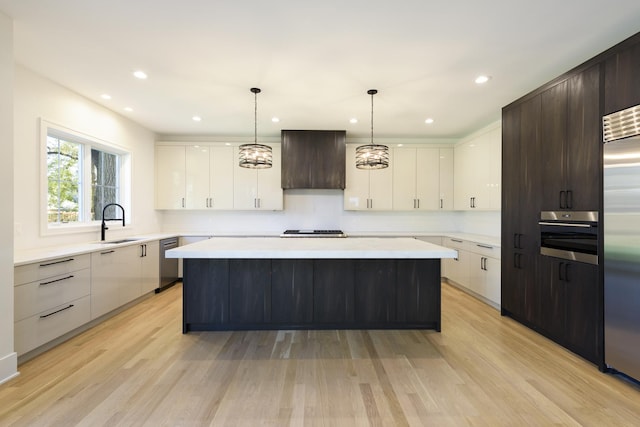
(168, 266)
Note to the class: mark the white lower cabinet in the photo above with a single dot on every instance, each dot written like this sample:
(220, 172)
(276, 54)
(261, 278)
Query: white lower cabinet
(120, 275)
(115, 279)
(477, 268)
(35, 331)
(149, 266)
(54, 297)
(51, 298)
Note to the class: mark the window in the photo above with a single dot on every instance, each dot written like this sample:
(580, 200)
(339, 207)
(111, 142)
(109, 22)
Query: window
(83, 175)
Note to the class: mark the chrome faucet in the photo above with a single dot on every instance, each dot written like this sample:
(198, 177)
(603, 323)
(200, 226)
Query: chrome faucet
(104, 226)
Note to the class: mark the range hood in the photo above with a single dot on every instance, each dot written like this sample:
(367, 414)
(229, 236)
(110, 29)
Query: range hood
(313, 159)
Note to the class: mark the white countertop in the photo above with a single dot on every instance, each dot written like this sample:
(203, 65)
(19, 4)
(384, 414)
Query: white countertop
(22, 257)
(312, 248)
(48, 253)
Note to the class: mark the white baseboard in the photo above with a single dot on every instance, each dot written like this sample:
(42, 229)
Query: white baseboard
(8, 367)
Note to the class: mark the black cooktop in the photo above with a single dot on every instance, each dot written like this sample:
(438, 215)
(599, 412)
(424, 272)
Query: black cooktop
(313, 233)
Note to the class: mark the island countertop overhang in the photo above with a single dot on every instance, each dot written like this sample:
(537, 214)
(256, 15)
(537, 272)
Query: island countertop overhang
(312, 248)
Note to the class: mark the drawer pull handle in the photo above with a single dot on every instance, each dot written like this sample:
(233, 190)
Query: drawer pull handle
(57, 311)
(107, 252)
(57, 280)
(484, 246)
(457, 241)
(56, 262)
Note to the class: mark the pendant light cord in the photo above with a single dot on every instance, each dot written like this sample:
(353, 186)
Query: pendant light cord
(372, 93)
(255, 117)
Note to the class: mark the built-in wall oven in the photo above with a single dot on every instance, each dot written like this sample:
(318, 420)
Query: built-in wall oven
(571, 235)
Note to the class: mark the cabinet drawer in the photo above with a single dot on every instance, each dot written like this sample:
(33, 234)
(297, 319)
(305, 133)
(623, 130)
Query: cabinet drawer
(454, 243)
(39, 296)
(54, 267)
(484, 250)
(37, 330)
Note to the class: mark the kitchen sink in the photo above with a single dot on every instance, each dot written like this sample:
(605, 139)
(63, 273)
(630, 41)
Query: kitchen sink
(115, 242)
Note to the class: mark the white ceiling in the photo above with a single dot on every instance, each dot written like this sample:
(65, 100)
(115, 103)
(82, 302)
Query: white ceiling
(314, 61)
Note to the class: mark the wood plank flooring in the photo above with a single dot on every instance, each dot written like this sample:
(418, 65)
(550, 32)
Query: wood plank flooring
(138, 369)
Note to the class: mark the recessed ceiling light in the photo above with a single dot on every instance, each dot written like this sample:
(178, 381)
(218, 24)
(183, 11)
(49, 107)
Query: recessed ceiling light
(140, 74)
(482, 79)
(196, 118)
(429, 121)
(128, 109)
(105, 96)
(354, 120)
(275, 119)
(400, 145)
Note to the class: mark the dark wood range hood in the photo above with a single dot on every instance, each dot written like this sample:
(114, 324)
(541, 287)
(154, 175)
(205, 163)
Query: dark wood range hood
(313, 159)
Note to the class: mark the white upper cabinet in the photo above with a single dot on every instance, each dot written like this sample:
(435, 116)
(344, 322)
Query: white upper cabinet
(446, 178)
(197, 177)
(367, 189)
(477, 170)
(170, 177)
(259, 188)
(422, 178)
(209, 172)
(207, 176)
(221, 163)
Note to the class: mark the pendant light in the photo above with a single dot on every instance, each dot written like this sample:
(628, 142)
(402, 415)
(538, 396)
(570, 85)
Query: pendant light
(372, 156)
(255, 156)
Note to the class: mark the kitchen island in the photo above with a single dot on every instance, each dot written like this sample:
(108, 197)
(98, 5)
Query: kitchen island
(242, 283)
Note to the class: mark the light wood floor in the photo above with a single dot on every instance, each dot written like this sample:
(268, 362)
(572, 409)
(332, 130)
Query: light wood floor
(482, 370)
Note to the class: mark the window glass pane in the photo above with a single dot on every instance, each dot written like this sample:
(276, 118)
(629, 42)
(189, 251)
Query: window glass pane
(104, 183)
(63, 181)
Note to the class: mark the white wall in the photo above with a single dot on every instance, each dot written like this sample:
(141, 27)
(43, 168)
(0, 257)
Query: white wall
(37, 97)
(8, 359)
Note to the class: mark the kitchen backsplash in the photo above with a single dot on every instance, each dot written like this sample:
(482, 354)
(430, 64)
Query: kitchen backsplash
(323, 209)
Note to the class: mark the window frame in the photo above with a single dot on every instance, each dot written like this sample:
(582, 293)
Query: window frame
(48, 128)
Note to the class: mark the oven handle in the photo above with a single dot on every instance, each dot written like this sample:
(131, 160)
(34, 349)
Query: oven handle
(565, 224)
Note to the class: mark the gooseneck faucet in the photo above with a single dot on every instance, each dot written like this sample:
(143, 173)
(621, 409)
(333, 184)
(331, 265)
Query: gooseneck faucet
(104, 226)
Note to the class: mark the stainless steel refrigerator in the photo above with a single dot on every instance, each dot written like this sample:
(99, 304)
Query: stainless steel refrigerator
(622, 241)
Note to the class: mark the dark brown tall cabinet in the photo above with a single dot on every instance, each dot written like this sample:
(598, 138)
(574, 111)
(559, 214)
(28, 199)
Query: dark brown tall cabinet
(521, 178)
(552, 160)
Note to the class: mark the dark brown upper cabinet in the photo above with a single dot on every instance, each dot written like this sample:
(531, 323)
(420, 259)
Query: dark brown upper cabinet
(570, 134)
(622, 79)
(313, 159)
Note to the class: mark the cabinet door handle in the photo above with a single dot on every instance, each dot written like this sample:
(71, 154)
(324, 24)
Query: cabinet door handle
(441, 203)
(56, 262)
(57, 311)
(418, 201)
(563, 199)
(484, 246)
(106, 252)
(570, 199)
(456, 240)
(183, 202)
(520, 241)
(567, 269)
(560, 270)
(515, 261)
(57, 280)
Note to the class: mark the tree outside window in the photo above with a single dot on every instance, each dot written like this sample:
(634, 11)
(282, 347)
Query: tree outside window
(64, 180)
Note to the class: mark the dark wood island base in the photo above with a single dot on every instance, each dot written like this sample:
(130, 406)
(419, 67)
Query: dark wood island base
(251, 294)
